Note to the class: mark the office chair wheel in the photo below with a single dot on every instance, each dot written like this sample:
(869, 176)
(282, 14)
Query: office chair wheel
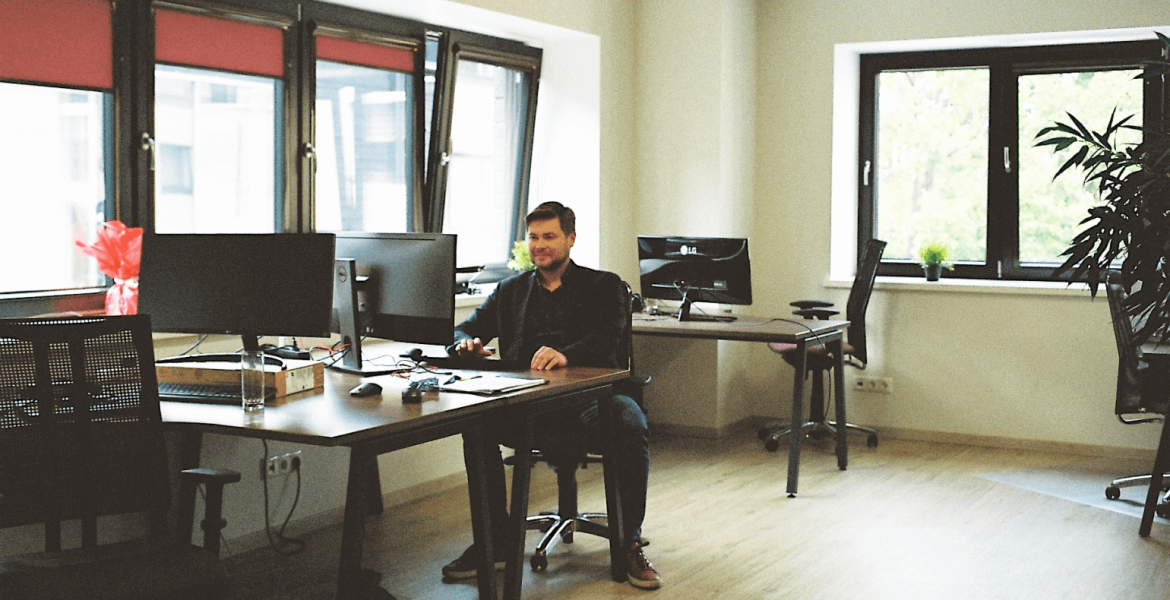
(1112, 492)
(871, 440)
(1163, 510)
(772, 445)
(539, 562)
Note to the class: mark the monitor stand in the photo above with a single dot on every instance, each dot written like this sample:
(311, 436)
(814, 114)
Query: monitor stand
(349, 321)
(684, 311)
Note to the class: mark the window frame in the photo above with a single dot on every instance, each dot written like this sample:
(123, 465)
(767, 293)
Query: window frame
(455, 45)
(1005, 66)
(373, 28)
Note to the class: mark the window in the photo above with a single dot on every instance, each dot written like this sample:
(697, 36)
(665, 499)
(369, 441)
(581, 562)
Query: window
(947, 150)
(218, 125)
(481, 152)
(53, 165)
(365, 120)
(245, 116)
(55, 112)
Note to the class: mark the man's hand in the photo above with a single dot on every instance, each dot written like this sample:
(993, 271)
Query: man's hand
(546, 359)
(472, 348)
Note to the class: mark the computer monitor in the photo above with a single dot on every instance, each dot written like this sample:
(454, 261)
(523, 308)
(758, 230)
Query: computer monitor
(240, 284)
(695, 269)
(402, 286)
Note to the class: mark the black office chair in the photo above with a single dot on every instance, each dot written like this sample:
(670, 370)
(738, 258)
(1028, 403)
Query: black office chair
(560, 525)
(81, 439)
(820, 362)
(1142, 390)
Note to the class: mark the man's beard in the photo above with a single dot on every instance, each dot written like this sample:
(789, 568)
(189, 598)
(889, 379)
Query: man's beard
(554, 265)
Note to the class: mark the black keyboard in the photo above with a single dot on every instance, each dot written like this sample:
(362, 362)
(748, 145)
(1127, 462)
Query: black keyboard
(205, 393)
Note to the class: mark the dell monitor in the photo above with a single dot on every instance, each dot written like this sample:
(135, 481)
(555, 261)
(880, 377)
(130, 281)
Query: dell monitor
(249, 285)
(394, 286)
(695, 269)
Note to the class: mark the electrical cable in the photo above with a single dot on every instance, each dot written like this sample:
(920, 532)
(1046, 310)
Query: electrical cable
(293, 545)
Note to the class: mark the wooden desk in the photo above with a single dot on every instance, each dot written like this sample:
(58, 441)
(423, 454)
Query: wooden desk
(804, 334)
(373, 426)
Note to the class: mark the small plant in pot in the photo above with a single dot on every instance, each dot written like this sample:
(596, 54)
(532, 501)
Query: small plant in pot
(934, 257)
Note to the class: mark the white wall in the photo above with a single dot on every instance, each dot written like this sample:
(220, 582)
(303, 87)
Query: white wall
(1033, 366)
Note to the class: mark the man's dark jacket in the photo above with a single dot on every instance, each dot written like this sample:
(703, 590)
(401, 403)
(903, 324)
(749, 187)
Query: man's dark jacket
(594, 330)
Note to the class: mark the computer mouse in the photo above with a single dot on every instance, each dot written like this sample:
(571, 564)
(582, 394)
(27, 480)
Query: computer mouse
(412, 395)
(366, 388)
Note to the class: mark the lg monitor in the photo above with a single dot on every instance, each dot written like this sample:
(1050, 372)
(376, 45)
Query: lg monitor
(695, 269)
(394, 286)
(239, 284)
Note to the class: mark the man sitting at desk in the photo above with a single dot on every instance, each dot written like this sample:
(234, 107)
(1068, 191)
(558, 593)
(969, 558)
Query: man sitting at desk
(561, 314)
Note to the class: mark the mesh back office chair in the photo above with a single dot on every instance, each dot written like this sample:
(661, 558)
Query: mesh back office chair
(560, 525)
(820, 363)
(1141, 387)
(81, 438)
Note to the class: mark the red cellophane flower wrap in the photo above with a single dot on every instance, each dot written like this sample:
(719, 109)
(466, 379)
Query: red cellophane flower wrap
(118, 251)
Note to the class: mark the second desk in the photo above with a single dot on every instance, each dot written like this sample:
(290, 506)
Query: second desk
(804, 334)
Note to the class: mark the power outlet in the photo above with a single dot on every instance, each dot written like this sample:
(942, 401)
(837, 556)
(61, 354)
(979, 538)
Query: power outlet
(281, 464)
(874, 385)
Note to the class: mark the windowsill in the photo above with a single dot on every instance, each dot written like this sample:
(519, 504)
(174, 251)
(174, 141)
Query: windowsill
(475, 299)
(974, 286)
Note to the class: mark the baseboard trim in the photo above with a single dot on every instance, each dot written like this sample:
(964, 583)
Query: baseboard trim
(673, 429)
(335, 516)
(1005, 443)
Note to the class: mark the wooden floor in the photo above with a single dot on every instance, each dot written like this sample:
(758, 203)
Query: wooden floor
(907, 520)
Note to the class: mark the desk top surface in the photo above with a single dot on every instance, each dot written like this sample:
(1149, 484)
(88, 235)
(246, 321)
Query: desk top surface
(744, 328)
(329, 416)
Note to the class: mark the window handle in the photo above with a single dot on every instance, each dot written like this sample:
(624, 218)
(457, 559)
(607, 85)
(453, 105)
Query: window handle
(308, 151)
(149, 146)
(865, 173)
(444, 159)
(1007, 160)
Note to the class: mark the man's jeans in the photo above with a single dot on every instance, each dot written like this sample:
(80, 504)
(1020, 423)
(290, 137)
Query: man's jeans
(562, 437)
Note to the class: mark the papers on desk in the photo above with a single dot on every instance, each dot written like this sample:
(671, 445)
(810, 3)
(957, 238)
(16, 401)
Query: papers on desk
(489, 385)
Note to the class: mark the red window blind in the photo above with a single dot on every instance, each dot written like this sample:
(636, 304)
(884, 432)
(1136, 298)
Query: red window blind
(66, 42)
(201, 41)
(361, 53)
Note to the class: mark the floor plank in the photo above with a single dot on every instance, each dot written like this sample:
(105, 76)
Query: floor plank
(907, 520)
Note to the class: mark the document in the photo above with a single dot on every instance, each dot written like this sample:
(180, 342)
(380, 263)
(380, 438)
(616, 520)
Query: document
(490, 384)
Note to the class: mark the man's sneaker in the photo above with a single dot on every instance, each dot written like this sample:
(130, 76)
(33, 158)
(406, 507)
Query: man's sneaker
(641, 573)
(467, 565)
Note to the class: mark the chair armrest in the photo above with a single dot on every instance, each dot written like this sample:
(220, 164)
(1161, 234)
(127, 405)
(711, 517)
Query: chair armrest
(213, 521)
(816, 313)
(805, 304)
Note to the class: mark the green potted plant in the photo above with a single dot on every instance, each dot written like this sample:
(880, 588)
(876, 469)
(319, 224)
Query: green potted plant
(520, 260)
(1132, 223)
(934, 257)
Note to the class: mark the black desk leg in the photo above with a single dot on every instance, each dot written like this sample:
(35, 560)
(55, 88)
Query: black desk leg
(481, 526)
(352, 580)
(794, 438)
(1161, 462)
(521, 479)
(836, 349)
(613, 494)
